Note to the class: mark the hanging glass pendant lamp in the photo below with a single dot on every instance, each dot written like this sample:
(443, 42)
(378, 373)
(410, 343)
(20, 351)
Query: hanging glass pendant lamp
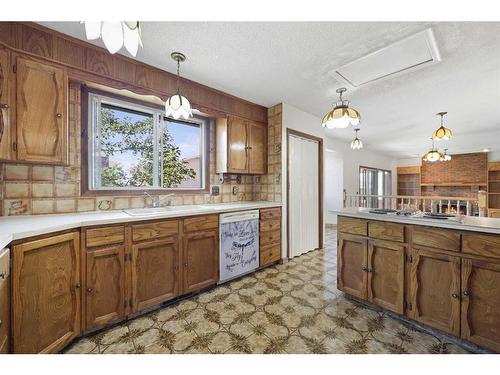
(442, 133)
(116, 35)
(446, 156)
(432, 155)
(341, 116)
(356, 144)
(177, 106)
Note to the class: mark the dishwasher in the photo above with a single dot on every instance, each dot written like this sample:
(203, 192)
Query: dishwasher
(239, 244)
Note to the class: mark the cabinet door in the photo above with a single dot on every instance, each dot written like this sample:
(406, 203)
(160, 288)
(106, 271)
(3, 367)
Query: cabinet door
(481, 303)
(155, 267)
(237, 146)
(435, 290)
(201, 260)
(386, 274)
(41, 112)
(104, 286)
(351, 259)
(5, 106)
(4, 302)
(257, 148)
(46, 293)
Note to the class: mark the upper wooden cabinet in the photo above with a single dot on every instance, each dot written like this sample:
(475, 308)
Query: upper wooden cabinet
(42, 112)
(241, 146)
(6, 105)
(4, 301)
(46, 293)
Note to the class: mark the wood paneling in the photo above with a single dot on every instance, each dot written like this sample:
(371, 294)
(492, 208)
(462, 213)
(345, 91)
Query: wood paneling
(386, 274)
(386, 231)
(6, 106)
(270, 213)
(352, 265)
(198, 223)
(352, 225)
(269, 254)
(435, 290)
(270, 225)
(36, 41)
(4, 301)
(99, 63)
(237, 140)
(481, 244)
(155, 271)
(158, 229)
(46, 293)
(200, 257)
(409, 170)
(481, 303)
(42, 119)
(105, 236)
(104, 286)
(257, 148)
(441, 239)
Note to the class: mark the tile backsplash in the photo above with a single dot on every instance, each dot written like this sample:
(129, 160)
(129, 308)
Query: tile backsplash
(32, 189)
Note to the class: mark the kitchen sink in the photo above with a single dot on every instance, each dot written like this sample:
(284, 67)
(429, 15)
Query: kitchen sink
(160, 210)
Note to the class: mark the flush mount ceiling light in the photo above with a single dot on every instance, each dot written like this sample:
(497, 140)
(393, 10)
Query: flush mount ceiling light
(446, 156)
(341, 116)
(356, 144)
(115, 35)
(432, 155)
(177, 106)
(442, 133)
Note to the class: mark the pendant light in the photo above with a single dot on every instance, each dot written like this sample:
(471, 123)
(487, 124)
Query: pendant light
(446, 156)
(356, 144)
(177, 106)
(432, 155)
(341, 116)
(116, 35)
(442, 133)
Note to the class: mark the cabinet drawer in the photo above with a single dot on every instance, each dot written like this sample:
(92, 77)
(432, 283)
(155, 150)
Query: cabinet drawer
(384, 230)
(105, 236)
(438, 238)
(270, 213)
(481, 244)
(270, 237)
(269, 254)
(154, 230)
(268, 225)
(352, 225)
(197, 223)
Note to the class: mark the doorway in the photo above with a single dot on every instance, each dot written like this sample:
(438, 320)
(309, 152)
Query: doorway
(304, 192)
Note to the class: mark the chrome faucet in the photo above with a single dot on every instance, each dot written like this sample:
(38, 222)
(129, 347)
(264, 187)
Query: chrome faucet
(155, 199)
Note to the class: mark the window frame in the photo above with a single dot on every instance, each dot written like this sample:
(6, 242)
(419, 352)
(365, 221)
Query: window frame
(87, 159)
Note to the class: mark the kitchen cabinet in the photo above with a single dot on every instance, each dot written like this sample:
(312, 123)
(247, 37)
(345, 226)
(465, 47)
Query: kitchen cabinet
(269, 236)
(385, 271)
(46, 293)
(6, 105)
(352, 265)
(41, 112)
(4, 301)
(105, 295)
(241, 146)
(481, 302)
(200, 257)
(155, 272)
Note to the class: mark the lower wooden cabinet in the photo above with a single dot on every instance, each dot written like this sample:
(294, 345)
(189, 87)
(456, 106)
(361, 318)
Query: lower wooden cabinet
(435, 290)
(386, 271)
(200, 256)
(481, 303)
(104, 286)
(352, 265)
(4, 301)
(155, 272)
(46, 293)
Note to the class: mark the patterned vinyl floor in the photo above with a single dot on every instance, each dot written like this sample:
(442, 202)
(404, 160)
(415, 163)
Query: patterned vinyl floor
(289, 308)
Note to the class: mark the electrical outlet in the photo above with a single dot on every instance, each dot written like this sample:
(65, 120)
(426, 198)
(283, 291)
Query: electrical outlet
(215, 190)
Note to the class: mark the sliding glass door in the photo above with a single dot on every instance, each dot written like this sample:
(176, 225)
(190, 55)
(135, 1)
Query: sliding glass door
(375, 182)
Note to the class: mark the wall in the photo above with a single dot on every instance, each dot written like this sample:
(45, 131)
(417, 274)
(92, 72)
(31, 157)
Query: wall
(42, 189)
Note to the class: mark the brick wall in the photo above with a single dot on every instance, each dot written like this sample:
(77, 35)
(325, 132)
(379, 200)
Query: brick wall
(42, 189)
(462, 168)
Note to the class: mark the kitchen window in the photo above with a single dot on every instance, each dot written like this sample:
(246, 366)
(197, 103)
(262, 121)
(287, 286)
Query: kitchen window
(374, 181)
(134, 147)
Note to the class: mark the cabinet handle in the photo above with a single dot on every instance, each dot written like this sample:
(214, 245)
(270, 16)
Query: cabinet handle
(454, 295)
(364, 269)
(1, 322)
(58, 115)
(77, 286)
(466, 293)
(2, 275)
(89, 290)
(185, 264)
(4, 106)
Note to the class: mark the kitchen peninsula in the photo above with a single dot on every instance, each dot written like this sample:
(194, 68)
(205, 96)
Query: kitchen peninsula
(442, 273)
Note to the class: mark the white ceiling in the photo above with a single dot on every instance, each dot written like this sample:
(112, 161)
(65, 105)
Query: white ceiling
(292, 62)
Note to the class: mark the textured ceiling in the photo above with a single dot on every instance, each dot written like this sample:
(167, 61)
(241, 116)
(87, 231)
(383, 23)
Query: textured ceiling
(273, 62)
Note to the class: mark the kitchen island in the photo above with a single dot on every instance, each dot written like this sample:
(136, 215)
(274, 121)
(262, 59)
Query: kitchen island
(442, 273)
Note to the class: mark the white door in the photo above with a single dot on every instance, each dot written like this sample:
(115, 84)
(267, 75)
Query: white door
(303, 196)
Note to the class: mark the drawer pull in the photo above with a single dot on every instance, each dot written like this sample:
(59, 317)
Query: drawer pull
(58, 115)
(364, 269)
(466, 293)
(455, 295)
(4, 106)
(1, 322)
(77, 286)
(89, 290)
(2, 275)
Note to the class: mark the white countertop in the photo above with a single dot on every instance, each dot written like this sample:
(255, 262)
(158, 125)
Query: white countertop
(19, 227)
(471, 223)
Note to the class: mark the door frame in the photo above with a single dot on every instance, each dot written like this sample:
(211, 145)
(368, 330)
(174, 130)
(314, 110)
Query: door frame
(290, 132)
